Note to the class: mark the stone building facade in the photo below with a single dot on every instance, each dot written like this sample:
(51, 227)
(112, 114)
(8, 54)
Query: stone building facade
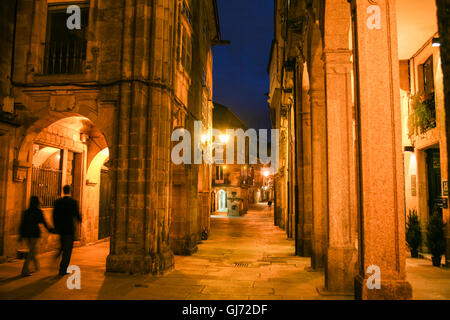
(191, 188)
(232, 182)
(423, 133)
(335, 95)
(98, 105)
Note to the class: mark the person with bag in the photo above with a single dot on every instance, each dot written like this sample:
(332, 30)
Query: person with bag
(30, 232)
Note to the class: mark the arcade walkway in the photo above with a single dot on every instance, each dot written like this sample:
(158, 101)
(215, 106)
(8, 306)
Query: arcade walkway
(245, 258)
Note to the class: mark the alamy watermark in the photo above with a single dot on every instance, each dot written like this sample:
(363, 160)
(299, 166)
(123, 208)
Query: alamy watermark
(74, 280)
(210, 146)
(374, 281)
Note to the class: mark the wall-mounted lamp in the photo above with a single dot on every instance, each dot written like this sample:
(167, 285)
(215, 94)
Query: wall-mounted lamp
(409, 149)
(436, 42)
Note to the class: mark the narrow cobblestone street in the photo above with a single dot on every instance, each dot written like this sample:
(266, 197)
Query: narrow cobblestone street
(244, 258)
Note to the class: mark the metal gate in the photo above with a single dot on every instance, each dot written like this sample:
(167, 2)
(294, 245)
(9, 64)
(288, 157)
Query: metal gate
(104, 215)
(46, 184)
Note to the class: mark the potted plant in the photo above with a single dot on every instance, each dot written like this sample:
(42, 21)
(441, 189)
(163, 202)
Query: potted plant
(435, 240)
(423, 114)
(413, 233)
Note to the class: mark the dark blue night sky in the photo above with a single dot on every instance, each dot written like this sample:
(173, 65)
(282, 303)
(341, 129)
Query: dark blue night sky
(240, 69)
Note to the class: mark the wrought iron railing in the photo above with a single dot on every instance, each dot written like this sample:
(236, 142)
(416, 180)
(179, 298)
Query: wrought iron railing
(46, 184)
(65, 57)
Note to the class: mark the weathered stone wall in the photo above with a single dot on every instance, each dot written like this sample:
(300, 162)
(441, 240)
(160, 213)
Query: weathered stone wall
(6, 42)
(7, 9)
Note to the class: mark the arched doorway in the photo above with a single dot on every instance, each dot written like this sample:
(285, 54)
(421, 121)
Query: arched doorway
(99, 187)
(70, 151)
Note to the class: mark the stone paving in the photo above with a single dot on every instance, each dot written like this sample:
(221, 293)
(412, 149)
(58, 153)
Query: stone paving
(245, 258)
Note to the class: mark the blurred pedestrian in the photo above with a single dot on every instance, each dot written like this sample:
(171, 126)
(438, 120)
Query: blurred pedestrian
(30, 232)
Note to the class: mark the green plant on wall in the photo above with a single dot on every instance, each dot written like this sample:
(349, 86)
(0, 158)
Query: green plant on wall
(423, 114)
(413, 233)
(435, 240)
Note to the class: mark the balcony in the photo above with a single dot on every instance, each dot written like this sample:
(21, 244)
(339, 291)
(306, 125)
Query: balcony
(65, 57)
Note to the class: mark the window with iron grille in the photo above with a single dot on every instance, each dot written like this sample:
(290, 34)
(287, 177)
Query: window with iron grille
(65, 50)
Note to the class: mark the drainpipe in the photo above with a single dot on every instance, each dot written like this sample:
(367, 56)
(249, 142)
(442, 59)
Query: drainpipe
(13, 49)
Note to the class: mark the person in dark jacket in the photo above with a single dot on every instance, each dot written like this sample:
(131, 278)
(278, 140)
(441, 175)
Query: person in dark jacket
(30, 231)
(65, 215)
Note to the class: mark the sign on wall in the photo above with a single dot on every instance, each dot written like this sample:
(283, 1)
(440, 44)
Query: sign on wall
(445, 188)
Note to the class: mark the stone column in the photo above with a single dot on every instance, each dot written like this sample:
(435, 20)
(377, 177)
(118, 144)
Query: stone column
(303, 163)
(281, 178)
(342, 254)
(292, 175)
(285, 172)
(184, 210)
(319, 177)
(381, 188)
(141, 150)
(444, 33)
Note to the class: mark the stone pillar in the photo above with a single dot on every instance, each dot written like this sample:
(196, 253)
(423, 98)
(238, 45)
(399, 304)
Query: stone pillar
(304, 173)
(292, 175)
(444, 33)
(7, 132)
(141, 150)
(284, 160)
(281, 177)
(319, 177)
(381, 187)
(183, 234)
(342, 254)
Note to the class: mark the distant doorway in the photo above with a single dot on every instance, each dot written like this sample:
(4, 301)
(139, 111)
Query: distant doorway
(434, 180)
(222, 201)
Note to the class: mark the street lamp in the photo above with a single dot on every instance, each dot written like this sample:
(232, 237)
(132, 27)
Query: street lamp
(224, 138)
(436, 42)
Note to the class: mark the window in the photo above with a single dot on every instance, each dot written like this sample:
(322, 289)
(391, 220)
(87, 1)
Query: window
(427, 76)
(427, 107)
(65, 50)
(219, 174)
(186, 50)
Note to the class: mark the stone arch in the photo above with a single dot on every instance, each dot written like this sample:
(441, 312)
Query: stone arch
(86, 152)
(94, 206)
(47, 118)
(93, 172)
